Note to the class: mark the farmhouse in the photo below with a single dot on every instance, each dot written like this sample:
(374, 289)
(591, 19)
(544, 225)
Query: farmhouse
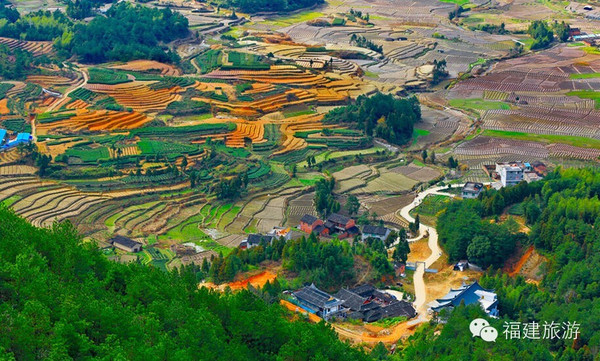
(309, 223)
(342, 225)
(22, 138)
(254, 240)
(318, 302)
(3, 137)
(125, 244)
(378, 232)
(369, 304)
(469, 294)
(471, 190)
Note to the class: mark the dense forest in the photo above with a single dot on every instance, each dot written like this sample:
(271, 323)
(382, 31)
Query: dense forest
(14, 63)
(254, 6)
(381, 115)
(563, 212)
(127, 31)
(61, 299)
(327, 264)
(39, 25)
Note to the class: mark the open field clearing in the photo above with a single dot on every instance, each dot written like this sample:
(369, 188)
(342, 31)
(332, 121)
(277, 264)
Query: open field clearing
(149, 66)
(94, 120)
(139, 96)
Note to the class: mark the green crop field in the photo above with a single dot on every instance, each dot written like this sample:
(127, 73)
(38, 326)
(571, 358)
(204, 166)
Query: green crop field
(153, 147)
(546, 138)
(107, 76)
(89, 155)
(478, 104)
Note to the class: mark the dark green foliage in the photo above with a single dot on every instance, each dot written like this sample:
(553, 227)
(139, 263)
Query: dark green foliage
(107, 76)
(562, 30)
(400, 116)
(363, 42)
(190, 130)
(324, 263)
(128, 32)
(169, 82)
(245, 61)
(39, 25)
(352, 205)
(14, 64)
(231, 188)
(402, 249)
(541, 33)
(491, 28)
(209, 60)
(439, 71)
(253, 6)
(324, 200)
(563, 215)
(188, 106)
(464, 234)
(61, 299)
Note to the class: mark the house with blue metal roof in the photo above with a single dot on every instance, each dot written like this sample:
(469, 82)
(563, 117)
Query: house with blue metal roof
(469, 294)
(22, 138)
(3, 137)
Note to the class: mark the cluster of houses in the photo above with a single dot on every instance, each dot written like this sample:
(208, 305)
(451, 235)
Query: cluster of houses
(7, 143)
(335, 225)
(364, 303)
(507, 174)
(469, 294)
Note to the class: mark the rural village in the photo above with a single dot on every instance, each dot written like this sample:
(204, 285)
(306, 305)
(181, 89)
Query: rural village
(377, 166)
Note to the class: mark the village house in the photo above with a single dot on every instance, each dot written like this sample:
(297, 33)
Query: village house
(343, 226)
(3, 137)
(254, 240)
(310, 224)
(378, 232)
(367, 303)
(125, 244)
(472, 190)
(318, 302)
(469, 294)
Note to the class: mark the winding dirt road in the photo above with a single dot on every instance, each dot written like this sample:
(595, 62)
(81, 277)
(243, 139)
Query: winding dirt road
(436, 251)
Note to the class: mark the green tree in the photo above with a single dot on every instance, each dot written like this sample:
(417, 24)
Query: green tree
(352, 205)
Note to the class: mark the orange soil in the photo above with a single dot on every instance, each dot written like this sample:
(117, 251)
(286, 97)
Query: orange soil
(258, 280)
(4, 106)
(138, 96)
(292, 307)
(147, 65)
(98, 120)
(517, 267)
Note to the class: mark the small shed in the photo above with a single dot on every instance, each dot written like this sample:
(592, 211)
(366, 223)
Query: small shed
(126, 244)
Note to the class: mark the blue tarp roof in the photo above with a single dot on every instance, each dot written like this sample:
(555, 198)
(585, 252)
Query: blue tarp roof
(23, 137)
(2, 134)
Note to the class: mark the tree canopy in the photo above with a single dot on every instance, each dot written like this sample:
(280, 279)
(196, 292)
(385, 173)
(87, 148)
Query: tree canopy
(62, 299)
(380, 115)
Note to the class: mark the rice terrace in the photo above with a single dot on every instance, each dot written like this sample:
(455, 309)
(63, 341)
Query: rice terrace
(310, 152)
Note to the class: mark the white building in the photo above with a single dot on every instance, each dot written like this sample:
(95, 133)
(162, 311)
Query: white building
(510, 176)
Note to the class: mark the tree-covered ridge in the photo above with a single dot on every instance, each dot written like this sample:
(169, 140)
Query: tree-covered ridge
(381, 115)
(61, 299)
(40, 25)
(14, 63)
(254, 6)
(127, 32)
(563, 213)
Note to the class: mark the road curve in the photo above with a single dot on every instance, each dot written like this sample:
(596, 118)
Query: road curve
(419, 283)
